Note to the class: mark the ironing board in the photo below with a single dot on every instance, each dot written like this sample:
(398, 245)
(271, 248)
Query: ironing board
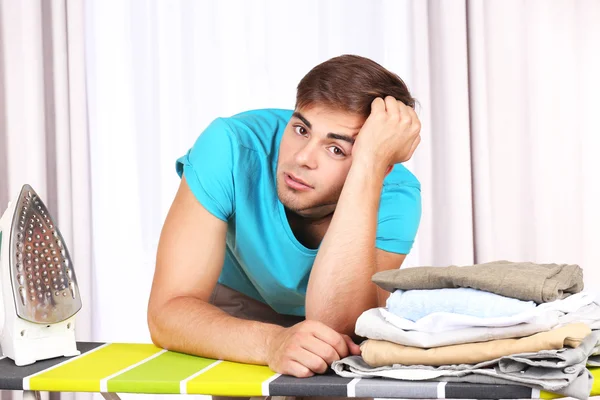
(111, 368)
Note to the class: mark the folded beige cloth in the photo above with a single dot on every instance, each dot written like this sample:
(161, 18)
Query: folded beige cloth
(520, 280)
(378, 353)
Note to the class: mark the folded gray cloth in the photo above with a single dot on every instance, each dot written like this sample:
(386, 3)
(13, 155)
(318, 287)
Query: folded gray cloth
(520, 280)
(576, 381)
(560, 371)
(594, 359)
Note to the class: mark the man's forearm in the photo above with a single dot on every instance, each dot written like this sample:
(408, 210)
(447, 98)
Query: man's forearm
(340, 288)
(192, 326)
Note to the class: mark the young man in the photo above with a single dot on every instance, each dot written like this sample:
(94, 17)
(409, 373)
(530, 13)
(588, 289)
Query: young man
(281, 219)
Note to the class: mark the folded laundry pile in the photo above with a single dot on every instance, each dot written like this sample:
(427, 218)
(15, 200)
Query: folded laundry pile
(499, 323)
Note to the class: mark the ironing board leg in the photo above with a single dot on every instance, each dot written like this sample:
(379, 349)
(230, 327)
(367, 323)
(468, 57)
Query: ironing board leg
(109, 396)
(31, 395)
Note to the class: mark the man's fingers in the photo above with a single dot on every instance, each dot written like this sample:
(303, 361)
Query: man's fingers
(405, 112)
(310, 360)
(391, 107)
(413, 117)
(414, 145)
(321, 349)
(378, 105)
(296, 369)
(353, 347)
(332, 338)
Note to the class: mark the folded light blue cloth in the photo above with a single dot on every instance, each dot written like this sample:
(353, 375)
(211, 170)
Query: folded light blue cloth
(416, 304)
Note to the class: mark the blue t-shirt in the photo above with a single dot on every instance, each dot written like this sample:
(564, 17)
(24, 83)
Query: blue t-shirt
(231, 169)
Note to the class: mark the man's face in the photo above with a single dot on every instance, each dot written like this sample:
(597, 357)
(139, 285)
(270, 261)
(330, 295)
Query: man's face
(315, 155)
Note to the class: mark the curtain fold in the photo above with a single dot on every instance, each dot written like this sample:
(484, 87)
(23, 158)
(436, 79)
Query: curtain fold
(443, 160)
(43, 127)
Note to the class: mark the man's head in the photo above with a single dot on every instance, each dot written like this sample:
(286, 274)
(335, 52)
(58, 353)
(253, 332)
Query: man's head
(332, 103)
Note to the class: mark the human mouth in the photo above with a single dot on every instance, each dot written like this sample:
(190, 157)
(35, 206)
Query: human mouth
(296, 183)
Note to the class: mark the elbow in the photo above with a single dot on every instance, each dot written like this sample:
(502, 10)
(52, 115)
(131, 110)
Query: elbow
(344, 323)
(156, 337)
(347, 328)
(154, 332)
(343, 326)
(340, 318)
(154, 328)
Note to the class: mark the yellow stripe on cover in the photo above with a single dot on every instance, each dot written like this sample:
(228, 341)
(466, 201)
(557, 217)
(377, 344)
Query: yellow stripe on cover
(595, 371)
(230, 379)
(84, 373)
(549, 395)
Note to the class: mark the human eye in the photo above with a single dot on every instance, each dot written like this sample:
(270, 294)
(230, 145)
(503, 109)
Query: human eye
(336, 151)
(300, 130)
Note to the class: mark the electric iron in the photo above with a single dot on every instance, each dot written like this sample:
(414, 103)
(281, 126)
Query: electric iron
(40, 296)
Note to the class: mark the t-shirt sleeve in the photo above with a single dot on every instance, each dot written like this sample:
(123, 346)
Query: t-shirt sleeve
(399, 218)
(208, 169)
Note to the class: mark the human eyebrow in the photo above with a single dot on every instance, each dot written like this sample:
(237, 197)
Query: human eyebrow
(330, 135)
(338, 136)
(301, 118)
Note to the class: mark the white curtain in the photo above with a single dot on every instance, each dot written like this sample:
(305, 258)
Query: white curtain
(440, 74)
(535, 137)
(43, 126)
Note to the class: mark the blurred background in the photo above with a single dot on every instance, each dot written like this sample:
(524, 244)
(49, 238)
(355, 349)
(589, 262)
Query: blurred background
(98, 98)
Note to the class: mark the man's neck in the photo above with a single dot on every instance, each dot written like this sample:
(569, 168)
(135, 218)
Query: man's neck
(308, 231)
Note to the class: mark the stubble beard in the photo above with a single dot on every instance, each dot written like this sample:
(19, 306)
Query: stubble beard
(318, 210)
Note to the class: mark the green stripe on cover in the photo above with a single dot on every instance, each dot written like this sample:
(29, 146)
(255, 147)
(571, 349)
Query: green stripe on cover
(162, 374)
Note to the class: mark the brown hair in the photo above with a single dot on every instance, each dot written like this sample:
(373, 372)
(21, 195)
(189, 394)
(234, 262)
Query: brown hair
(350, 83)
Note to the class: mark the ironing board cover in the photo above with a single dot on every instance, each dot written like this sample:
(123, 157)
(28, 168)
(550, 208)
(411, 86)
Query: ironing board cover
(145, 368)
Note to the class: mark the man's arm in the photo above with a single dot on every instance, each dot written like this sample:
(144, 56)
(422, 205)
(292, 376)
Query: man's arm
(340, 287)
(189, 260)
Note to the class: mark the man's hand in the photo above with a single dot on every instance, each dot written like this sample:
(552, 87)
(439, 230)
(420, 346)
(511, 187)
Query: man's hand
(390, 135)
(308, 348)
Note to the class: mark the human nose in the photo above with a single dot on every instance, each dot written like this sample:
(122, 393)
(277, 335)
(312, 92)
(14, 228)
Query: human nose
(307, 156)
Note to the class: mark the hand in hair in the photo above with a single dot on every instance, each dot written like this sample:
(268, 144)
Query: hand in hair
(390, 134)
